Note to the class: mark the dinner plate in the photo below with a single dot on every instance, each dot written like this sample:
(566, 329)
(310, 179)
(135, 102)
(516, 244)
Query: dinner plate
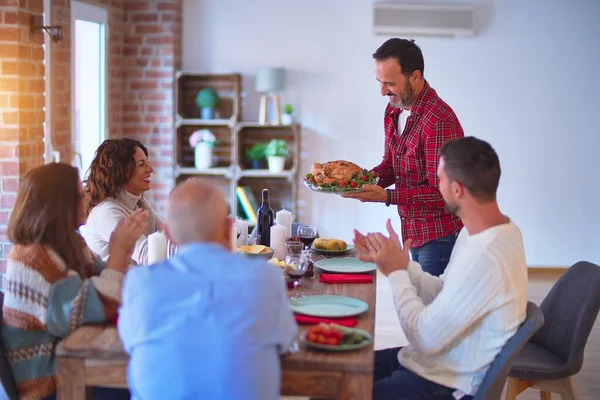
(334, 189)
(328, 306)
(349, 248)
(346, 265)
(344, 347)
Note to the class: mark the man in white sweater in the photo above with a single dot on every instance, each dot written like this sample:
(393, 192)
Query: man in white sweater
(456, 324)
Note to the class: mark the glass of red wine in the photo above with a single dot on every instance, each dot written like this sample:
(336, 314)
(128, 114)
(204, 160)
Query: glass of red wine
(295, 268)
(307, 233)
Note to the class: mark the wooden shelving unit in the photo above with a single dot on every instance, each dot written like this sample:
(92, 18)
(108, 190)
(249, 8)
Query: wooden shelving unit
(230, 167)
(227, 86)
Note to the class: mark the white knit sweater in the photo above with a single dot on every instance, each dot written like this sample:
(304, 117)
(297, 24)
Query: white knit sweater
(104, 218)
(457, 324)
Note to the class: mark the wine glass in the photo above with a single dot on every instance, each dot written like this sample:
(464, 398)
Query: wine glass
(171, 248)
(253, 240)
(294, 248)
(238, 229)
(295, 267)
(307, 233)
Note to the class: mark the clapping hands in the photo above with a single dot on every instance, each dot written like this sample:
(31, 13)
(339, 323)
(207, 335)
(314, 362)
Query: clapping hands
(387, 252)
(123, 238)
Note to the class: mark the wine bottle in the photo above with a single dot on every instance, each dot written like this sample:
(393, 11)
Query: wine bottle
(264, 219)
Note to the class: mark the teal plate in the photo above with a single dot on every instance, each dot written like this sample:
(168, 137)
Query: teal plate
(349, 247)
(344, 347)
(328, 306)
(345, 265)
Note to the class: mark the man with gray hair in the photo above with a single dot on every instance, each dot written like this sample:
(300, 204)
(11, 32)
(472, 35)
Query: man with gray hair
(207, 323)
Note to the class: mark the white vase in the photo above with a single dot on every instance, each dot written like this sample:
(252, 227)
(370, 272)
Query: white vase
(203, 155)
(276, 164)
(286, 119)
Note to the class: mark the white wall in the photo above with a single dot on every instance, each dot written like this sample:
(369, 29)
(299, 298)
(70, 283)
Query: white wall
(527, 83)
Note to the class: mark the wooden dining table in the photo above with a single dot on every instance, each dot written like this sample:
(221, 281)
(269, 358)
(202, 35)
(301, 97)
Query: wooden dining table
(93, 356)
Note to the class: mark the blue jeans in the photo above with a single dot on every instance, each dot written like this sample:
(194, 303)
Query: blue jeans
(103, 394)
(434, 256)
(391, 381)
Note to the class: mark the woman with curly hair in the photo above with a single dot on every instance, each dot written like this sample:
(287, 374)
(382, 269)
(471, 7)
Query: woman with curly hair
(117, 179)
(53, 284)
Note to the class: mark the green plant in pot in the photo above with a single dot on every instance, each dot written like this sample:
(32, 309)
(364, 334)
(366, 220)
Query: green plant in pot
(256, 155)
(207, 100)
(276, 152)
(288, 114)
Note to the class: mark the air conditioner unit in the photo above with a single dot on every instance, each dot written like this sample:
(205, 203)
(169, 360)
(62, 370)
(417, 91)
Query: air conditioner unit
(401, 19)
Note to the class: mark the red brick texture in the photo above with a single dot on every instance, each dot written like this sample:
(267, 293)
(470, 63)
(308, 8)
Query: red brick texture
(21, 102)
(144, 51)
(60, 75)
(151, 55)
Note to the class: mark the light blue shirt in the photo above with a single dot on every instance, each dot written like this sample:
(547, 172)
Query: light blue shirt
(206, 324)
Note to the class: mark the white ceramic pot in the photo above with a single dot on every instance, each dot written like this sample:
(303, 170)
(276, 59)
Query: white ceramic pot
(276, 164)
(203, 155)
(287, 119)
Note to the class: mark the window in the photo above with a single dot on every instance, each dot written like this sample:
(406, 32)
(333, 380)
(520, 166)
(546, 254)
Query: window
(88, 92)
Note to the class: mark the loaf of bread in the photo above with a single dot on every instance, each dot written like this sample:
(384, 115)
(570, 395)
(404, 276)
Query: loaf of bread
(329, 244)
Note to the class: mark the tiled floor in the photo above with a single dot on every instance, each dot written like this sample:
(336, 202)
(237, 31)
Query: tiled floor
(389, 334)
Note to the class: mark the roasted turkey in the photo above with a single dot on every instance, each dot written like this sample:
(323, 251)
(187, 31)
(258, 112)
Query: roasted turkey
(334, 171)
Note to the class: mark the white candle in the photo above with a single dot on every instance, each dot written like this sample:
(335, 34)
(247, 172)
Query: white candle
(243, 227)
(284, 217)
(157, 247)
(278, 241)
(233, 237)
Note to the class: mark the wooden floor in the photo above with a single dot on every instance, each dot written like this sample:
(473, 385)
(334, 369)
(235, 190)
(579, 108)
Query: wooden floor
(587, 383)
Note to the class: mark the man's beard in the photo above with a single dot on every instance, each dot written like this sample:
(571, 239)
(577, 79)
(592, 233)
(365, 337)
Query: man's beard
(406, 99)
(451, 208)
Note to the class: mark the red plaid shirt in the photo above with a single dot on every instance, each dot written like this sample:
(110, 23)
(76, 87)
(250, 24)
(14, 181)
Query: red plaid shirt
(410, 161)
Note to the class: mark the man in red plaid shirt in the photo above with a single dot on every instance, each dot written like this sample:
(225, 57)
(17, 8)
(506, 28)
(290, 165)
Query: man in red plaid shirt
(417, 122)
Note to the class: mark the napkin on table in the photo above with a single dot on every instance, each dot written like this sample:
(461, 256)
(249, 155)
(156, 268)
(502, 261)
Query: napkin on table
(309, 320)
(346, 278)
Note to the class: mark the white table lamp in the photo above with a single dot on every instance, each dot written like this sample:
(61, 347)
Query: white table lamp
(268, 82)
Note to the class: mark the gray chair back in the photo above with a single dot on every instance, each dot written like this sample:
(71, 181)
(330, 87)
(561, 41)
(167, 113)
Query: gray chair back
(8, 389)
(493, 383)
(570, 310)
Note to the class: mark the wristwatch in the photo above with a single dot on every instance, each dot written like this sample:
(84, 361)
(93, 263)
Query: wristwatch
(389, 197)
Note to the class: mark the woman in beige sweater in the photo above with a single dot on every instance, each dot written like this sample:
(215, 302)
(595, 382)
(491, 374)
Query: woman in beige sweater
(117, 179)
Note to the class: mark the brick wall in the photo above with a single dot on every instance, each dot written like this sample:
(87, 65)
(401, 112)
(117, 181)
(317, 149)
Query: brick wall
(60, 75)
(144, 50)
(60, 81)
(151, 55)
(21, 102)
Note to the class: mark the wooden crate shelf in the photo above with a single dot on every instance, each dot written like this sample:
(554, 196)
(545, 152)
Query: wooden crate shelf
(225, 172)
(222, 153)
(230, 167)
(250, 134)
(282, 194)
(205, 122)
(265, 173)
(227, 86)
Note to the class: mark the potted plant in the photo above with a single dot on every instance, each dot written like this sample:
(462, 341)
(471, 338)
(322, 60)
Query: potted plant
(207, 100)
(276, 153)
(203, 142)
(287, 116)
(256, 154)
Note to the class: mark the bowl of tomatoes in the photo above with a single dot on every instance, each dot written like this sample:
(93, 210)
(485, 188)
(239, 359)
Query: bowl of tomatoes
(333, 337)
